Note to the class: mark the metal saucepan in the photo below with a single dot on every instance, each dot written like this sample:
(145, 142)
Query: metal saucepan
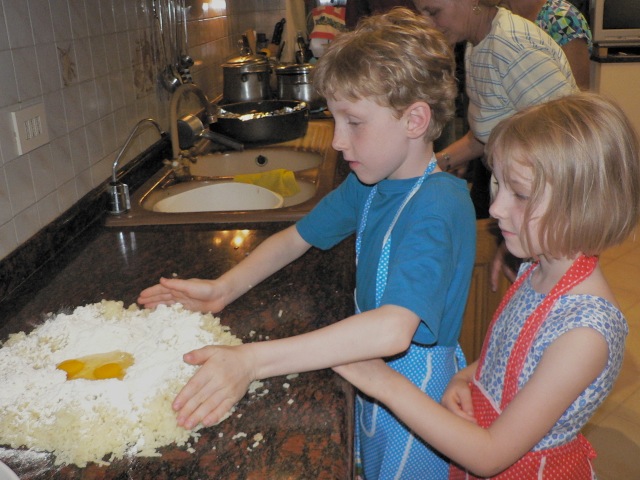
(246, 79)
(191, 129)
(264, 122)
(295, 83)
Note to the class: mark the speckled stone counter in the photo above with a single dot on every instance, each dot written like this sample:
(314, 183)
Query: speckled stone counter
(306, 426)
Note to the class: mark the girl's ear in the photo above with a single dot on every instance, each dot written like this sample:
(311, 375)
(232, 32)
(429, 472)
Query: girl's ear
(418, 117)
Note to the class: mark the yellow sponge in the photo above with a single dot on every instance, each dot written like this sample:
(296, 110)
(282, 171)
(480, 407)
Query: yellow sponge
(280, 180)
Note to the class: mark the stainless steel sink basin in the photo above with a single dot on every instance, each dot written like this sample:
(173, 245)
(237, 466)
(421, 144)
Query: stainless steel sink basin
(213, 197)
(310, 158)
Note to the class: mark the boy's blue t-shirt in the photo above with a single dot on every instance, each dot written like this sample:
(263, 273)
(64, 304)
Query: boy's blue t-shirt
(432, 247)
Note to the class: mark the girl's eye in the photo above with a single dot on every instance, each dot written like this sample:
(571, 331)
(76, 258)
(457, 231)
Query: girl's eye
(521, 197)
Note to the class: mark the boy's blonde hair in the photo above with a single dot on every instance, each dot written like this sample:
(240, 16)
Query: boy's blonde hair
(395, 59)
(585, 150)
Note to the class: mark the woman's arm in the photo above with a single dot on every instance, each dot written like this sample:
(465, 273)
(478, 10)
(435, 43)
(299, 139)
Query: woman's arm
(460, 152)
(213, 295)
(563, 373)
(577, 53)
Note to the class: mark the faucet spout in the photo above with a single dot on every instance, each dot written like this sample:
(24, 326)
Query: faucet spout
(173, 112)
(119, 201)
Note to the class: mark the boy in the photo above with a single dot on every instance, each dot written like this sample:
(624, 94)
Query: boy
(390, 86)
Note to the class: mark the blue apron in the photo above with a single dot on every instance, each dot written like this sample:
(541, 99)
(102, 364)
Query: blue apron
(385, 448)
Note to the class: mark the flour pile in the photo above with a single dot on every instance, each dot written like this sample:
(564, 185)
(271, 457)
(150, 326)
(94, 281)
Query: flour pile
(82, 421)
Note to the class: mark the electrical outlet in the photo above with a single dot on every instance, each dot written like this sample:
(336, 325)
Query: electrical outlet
(30, 128)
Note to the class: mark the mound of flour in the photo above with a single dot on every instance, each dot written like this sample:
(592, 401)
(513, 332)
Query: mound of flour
(83, 421)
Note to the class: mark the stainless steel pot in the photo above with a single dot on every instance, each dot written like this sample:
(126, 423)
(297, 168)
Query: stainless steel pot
(295, 83)
(246, 79)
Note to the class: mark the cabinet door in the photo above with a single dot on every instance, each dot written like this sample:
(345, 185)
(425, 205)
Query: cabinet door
(482, 301)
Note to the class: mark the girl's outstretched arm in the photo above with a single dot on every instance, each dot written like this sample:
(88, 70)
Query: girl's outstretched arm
(567, 367)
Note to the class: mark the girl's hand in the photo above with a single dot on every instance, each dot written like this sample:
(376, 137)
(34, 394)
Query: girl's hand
(457, 398)
(195, 294)
(221, 381)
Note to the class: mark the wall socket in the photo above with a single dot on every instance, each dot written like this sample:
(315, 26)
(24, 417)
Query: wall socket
(30, 128)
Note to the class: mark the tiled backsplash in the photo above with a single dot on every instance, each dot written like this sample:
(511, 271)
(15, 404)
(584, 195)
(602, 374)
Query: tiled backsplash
(91, 63)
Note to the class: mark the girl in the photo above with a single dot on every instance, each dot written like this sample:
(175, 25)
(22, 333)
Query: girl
(567, 186)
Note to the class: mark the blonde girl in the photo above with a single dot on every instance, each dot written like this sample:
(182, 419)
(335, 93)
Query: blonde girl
(566, 187)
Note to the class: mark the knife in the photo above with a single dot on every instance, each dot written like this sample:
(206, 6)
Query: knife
(276, 38)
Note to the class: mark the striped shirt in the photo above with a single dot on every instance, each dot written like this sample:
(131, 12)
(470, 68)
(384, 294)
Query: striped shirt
(516, 65)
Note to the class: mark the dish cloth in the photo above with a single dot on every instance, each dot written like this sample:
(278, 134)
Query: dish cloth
(280, 180)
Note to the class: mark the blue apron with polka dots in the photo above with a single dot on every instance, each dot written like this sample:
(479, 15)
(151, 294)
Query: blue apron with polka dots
(385, 448)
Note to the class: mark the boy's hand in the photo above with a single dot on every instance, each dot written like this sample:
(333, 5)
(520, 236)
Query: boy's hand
(195, 294)
(221, 381)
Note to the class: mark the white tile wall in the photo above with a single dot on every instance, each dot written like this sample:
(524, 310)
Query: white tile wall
(89, 62)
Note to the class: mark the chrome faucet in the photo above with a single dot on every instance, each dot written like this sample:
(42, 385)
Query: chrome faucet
(119, 201)
(173, 112)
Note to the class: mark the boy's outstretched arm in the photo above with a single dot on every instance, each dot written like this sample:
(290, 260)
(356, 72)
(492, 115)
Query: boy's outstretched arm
(270, 256)
(226, 372)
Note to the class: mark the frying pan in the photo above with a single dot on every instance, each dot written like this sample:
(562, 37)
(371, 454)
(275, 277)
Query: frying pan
(263, 122)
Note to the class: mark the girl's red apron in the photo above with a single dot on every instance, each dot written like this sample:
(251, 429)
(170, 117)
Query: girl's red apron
(568, 461)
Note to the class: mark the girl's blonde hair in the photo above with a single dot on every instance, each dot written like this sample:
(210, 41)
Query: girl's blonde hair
(585, 150)
(395, 59)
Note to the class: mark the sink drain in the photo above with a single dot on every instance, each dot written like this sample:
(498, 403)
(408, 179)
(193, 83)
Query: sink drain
(261, 160)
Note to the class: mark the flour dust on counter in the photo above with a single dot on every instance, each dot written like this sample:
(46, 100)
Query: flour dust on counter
(97, 384)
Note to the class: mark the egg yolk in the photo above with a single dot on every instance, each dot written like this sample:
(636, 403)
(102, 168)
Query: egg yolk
(99, 366)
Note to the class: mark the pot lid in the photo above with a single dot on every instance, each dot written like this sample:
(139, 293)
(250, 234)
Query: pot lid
(294, 68)
(246, 61)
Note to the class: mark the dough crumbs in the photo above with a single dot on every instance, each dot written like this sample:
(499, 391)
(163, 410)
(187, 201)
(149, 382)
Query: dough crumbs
(102, 419)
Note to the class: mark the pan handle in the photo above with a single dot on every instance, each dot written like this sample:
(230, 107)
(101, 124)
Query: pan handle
(223, 140)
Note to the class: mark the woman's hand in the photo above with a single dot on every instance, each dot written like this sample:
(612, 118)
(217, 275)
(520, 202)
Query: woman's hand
(500, 265)
(195, 294)
(221, 381)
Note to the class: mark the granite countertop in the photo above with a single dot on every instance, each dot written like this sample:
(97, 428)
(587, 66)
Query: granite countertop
(307, 428)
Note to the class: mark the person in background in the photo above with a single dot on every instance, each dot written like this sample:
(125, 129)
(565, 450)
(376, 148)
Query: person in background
(566, 25)
(555, 345)
(570, 30)
(390, 86)
(510, 64)
(357, 9)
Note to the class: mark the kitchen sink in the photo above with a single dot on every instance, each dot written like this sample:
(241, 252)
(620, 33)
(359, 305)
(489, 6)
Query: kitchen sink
(205, 191)
(213, 197)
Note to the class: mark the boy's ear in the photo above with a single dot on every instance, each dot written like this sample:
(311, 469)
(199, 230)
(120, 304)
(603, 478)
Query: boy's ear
(418, 117)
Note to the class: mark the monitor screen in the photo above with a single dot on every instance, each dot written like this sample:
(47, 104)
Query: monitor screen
(621, 14)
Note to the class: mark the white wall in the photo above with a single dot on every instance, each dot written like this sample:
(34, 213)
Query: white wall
(90, 63)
